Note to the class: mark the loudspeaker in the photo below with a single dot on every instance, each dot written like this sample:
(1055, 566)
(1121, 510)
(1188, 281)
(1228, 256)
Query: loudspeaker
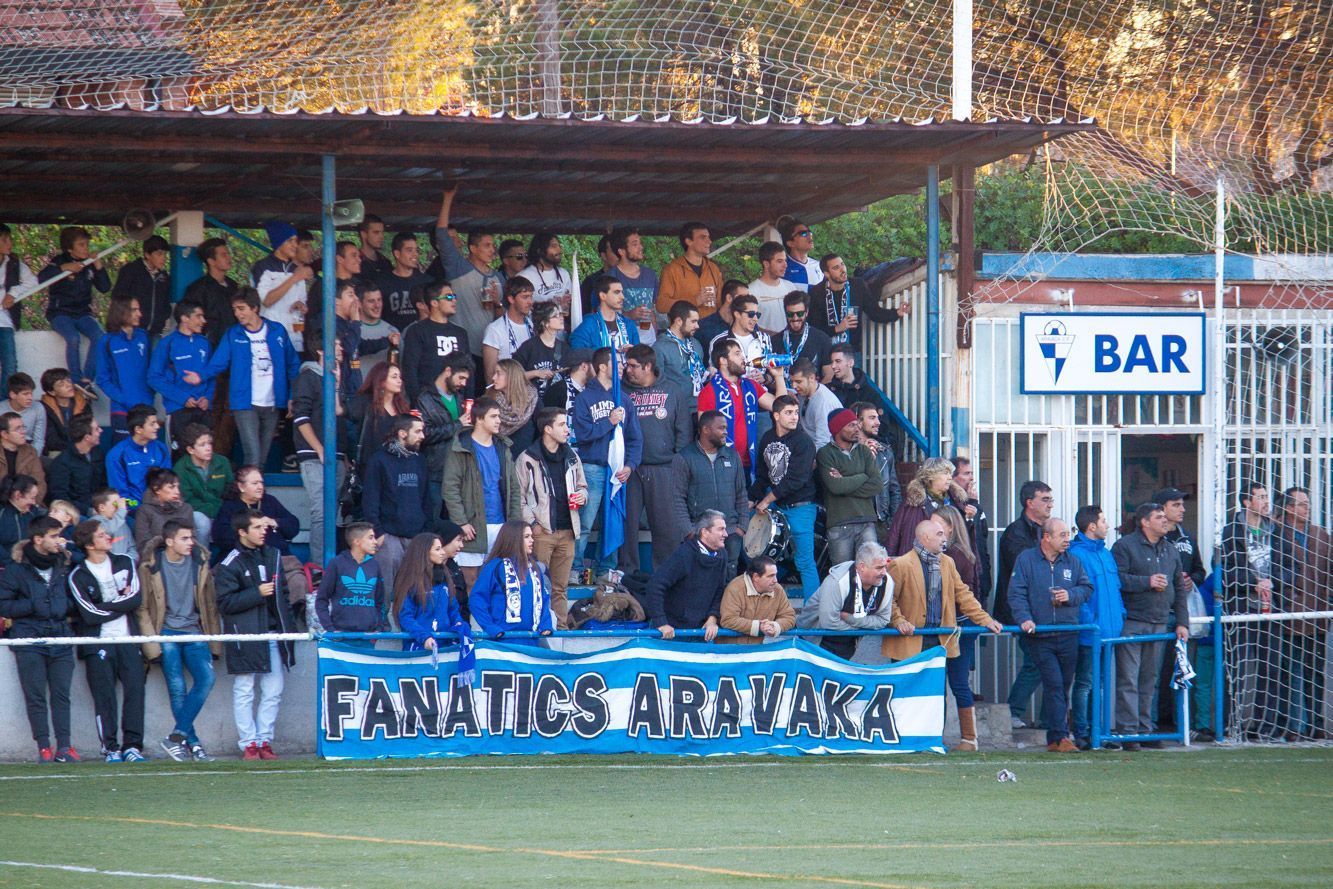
(349, 212)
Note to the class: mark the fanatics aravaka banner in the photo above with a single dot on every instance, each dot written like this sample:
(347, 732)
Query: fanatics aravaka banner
(646, 696)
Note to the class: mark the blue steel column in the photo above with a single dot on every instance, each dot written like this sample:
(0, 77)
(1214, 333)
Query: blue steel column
(933, 308)
(329, 421)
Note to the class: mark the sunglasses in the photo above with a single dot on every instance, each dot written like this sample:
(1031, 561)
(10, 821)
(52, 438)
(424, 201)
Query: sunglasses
(805, 234)
(446, 296)
(516, 256)
(750, 314)
(796, 316)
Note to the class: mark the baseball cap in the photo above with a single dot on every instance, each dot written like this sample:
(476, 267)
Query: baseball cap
(575, 357)
(1166, 495)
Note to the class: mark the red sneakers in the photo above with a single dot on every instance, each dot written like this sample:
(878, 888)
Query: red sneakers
(46, 754)
(251, 753)
(266, 751)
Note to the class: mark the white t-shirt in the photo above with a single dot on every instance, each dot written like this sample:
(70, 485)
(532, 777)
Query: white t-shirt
(772, 317)
(111, 583)
(505, 335)
(547, 284)
(756, 345)
(261, 368)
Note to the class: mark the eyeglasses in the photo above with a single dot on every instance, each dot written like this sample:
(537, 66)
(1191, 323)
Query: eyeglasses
(796, 316)
(516, 256)
(750, 314)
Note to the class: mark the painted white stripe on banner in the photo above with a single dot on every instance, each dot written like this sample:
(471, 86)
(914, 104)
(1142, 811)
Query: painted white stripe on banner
(137, 875)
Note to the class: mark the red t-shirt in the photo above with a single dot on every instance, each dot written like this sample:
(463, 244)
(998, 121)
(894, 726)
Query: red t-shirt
(739, 433)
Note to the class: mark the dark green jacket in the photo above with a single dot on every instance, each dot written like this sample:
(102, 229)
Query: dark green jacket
(464, 497)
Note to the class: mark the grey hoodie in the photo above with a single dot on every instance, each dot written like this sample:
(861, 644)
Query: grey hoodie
(664, 422)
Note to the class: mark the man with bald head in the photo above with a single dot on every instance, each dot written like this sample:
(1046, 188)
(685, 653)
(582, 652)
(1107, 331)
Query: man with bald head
(1047, 587)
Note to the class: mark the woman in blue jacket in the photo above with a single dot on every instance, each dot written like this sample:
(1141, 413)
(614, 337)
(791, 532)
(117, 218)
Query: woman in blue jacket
(422, 599)
(122, 363)
(512, 592)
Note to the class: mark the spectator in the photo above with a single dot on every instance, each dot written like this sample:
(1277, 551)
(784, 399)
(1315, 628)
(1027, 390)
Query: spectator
(854, 596)
(692, 276)
(932, 488)
(32, 413)
(513, 259)
(1203, 658)
(66, 513)
(575, 372)
(251, 600)
(352, 597)
(1049, 587)
(783, 479)
(511, 330)
(851, 385)
(606, 327)
(35, 603)
(709, 475)
(346, 265)
(597, 413)
(308, 437)
(215, 292)
(62, 403)
(518, 402)
(838, 304)
(282, 283)
(1036, 500)
(803, 271)
(122, 363)
(1105, 608)
(770, 287)
(666, 427)
(106, 594)
(162, 504)
(679, 355)
(1150, 581)
(978, 524)
(640, 282)
(20, 457)
(147, 281)
(385, 401)
(799, 338)
(586, 287)
(1173, 504)
(542, 353)
(69, 302)
(370, 233)
(553, 487)
(16, 280)
(110, 511)
(851, 481)
(513, 591)
(817, 404)
(428, 342)
(248, 494)
(476, 283)
(178, 600)
(755, 605)
(76, 474)
(425, 599)
(129, 461)
(549, 281)
(755, 345)
(443, 410)
(398, 498)
(890, 496)
(738, 398)
(378, 337)
(204, 477)
(1303, 556)
(403, 286)
(686, 592)
(20, 508)
(183, 352)
(347, 338)
(262, 366)
(480, 488)
(721, 320)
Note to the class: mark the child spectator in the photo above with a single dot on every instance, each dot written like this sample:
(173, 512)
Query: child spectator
(352, 597)
(122, 363)
(110, 511)
(62, 402)
(204, 477)
(22, 402)
(69, 303)
(129, 461)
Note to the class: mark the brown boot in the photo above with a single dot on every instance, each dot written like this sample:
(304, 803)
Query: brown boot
(967, 729)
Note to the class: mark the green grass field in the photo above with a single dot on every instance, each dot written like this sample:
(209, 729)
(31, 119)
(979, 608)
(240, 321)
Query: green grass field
(1218, 818)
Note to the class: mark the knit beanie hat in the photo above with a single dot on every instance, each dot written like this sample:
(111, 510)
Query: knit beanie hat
(279, 232)
(838, 420)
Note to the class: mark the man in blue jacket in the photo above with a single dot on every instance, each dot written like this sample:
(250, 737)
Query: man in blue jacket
(263, 365)
(1105, 609)
(398, 498)
(128, 463)
(596, 416)
(1047, 587)
(183, 352)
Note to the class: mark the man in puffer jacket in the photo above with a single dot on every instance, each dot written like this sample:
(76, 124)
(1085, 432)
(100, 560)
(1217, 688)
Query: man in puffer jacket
(687, 590)
(1105, 609)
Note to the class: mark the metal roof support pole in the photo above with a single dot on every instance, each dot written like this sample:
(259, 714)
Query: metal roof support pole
(329, 418)
(933, 308)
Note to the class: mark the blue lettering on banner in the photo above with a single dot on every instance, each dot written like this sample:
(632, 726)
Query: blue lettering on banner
(646, 696)
(1092, 353)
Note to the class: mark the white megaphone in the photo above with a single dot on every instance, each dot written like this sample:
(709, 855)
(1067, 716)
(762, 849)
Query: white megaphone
(138, 226)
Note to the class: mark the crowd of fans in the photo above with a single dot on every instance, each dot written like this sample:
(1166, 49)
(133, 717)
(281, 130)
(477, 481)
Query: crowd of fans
(477, 439)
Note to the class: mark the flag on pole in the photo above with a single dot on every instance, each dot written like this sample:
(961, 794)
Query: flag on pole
(576, 298)
(613, 519)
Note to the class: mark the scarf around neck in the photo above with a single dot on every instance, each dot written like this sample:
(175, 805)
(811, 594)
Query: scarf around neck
(727, 407)
(514, 594)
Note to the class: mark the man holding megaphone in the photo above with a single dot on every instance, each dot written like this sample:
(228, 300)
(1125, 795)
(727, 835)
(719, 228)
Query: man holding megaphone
(69, 307)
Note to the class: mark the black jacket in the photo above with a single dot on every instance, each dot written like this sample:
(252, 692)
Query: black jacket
(1021, 535)
(1190, 560)
(687, 589)
(216, 300)
(785, 466)
(441, 427)
(151, 289)
(427, 345)
(1136, 560)
(75, 477)
(236, 583)
(91, 611)
(37, 607)
(72, 296)
(14, 530)
(224, 536)
(979, 528)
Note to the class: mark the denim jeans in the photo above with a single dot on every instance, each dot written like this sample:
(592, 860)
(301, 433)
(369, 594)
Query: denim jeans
(587, 514)
(177, 657)
(71, 328)
(256, 427)
(1025, 683)
(9, 356)
(959, 669)
(845, 540)
(1055, 656)
(312, 477)
(1081, 701)
(801, 521)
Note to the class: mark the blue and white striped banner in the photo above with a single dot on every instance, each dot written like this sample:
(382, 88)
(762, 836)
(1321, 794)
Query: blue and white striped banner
(645, 696)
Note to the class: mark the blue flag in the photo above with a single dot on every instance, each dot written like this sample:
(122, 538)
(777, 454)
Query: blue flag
(613, 518)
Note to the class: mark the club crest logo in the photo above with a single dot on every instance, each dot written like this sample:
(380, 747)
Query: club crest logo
(1055, 342)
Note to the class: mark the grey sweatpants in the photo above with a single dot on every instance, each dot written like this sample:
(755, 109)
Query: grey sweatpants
(650, 488)
(1136, 669)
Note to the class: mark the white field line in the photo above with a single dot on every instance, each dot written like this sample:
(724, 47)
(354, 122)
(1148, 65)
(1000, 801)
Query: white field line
(179, 878)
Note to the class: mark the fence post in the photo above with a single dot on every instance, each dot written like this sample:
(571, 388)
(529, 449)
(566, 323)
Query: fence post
(1096, 703)
(1219, 672)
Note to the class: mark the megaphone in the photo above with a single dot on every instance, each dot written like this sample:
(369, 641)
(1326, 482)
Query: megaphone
(349, 212)
(139, 224)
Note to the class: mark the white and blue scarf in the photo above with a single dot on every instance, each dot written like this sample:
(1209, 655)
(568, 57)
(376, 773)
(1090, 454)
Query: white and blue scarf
(514, 594)
(695, 364)
(725, 406)
(837, 310)
(620, 341)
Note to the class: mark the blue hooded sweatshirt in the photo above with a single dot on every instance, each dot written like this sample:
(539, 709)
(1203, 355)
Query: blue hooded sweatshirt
(122, 369)
(1105, 609)
(592, 429)
(441, 608)
(128, 464)
(233, 354)
(177, 354)
(352, 597)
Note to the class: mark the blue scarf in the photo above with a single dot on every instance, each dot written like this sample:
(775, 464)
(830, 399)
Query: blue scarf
(722, 391)
(693, 362)
(621, 339)
(514, 594)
